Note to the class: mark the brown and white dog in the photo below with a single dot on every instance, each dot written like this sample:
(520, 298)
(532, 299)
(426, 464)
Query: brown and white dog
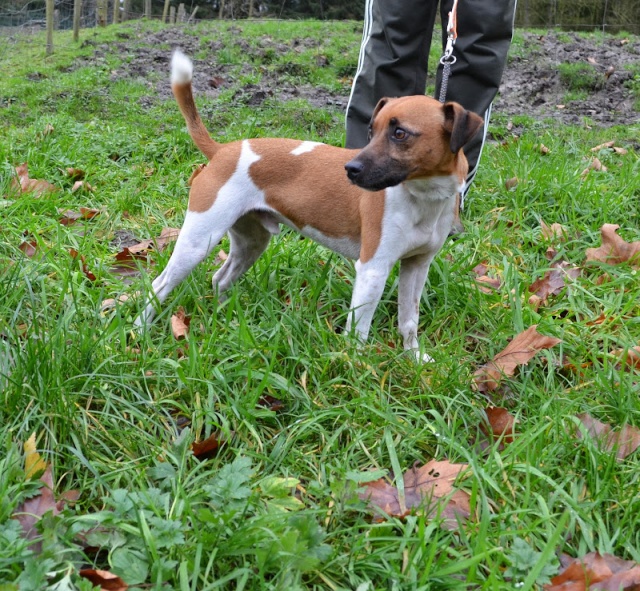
(396, 201)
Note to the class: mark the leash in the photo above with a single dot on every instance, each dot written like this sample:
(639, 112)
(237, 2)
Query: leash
(448, 59)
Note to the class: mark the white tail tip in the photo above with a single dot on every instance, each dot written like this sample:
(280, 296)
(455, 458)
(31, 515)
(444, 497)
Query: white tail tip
(181, 68)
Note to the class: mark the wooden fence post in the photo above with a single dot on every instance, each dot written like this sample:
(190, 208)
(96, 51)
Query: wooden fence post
(116, 12)
(182, 14)
(50, 7)
(102, 9)
(193, 14)
(77, 11)
(126, 10)
(172, 15)
(165, 11)
(147, 8)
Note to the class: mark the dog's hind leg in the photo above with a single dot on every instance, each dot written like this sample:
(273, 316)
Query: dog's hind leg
(249, 239)
(195, 242)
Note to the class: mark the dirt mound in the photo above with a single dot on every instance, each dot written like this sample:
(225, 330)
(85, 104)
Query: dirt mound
(537, 81)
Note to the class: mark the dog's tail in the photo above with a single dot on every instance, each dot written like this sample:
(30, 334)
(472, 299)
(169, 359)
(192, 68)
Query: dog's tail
(181, 75)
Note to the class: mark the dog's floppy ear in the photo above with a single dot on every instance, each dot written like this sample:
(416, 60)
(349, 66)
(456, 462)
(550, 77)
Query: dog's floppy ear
(381, 103)
(461, 124)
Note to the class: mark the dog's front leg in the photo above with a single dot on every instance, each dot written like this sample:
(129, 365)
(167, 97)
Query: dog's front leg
(371, 278)
(413, 276)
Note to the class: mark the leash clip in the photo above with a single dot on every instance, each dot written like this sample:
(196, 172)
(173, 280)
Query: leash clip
(452, 35)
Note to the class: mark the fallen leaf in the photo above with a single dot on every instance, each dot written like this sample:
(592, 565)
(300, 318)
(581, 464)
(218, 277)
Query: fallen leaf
(208, 448)
(429, 488)
(630, 357)
(596, 571)
(33, 462)
(29, 512)
(553, 281)
(270, 403)
(595, 165)
(553, 232)
(24, 184)
(501, 423)
(180, 324)
(603, 146)
(111, 303)
(104, 579)
(75, 174)
(518, 352)
(29, 248)
(614, 250)
(511, 183)
(543, 149)
(85, 269)
(82, 185)
(623, 442)
(70, 217)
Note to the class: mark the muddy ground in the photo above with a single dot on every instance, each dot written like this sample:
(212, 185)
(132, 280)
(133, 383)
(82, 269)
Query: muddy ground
(532, 84)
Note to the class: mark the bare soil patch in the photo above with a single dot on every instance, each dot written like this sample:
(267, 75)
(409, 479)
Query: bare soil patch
(532, 83)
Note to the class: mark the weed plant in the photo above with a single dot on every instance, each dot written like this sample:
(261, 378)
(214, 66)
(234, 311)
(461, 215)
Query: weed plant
(276, 508)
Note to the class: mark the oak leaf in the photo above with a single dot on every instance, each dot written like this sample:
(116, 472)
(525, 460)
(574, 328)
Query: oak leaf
(104, 579)
(518, 352)
(24, 184)
(596, 571)
(623, 442)
(500, 422)
(428, 488)
(614, 249)
(180, 324)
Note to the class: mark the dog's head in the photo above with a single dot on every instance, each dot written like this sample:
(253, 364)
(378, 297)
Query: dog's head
(413, 137)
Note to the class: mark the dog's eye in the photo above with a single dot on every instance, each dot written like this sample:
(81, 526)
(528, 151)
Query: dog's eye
(400, 134)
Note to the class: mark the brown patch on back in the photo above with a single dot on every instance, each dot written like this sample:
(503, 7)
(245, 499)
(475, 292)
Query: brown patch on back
(213, 177)
(312, 189)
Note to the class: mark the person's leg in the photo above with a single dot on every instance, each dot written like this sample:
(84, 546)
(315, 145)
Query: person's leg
(485, 29)
(393, 59)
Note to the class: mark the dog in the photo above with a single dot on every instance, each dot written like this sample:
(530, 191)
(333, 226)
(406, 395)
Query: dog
(394, 200)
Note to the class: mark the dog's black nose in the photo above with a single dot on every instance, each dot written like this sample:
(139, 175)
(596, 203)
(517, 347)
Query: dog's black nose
(353, 168)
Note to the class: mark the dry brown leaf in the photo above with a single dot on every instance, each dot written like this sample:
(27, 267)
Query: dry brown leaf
(596, 571)
(82, 185)
(75, 174)
(553, 281)
(208, 448)
(603, 146)
(614, 249)
(595, 165)
(518, 352)
(29, 248)
(429, 488)
(180, 324)
(24, 184)
(85, 269)
(70, 217)
(511, 183)
(104, 579)
(623, 442)
(629, 357)
(501, 423)
(29, 512)
(553, 232)
(271, 403)
(543, 149)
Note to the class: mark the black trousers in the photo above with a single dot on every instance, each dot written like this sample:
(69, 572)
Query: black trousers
(394, 56)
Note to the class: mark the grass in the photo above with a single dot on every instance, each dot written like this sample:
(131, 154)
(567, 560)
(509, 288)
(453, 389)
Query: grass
(275, 508)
